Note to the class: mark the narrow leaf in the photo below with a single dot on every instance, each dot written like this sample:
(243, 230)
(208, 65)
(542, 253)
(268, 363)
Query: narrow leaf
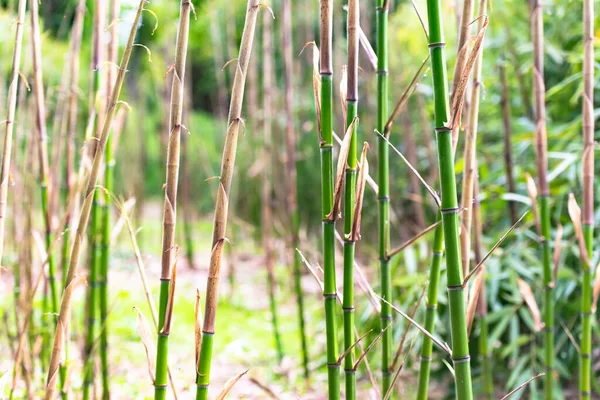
(529, 298)
(229, 385)
(521, 386)
(533, 192)
(341, 167)
(360, 193)
(198, 326)
(556, 254)
(147, 340)
(474, 299)
(575, 214)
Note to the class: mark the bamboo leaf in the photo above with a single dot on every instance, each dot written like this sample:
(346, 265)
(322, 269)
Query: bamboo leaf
(533, 192)
(410, 89)
(458, 97)
(529, 298)
(412, 240)
(575, 215)
(147, 340)
(171, 300)
(366, 45)
(522, 385)
(405, 334)
(556, 254)
(229, 385)
(498, 243)
(343, 90)
(413, 170)
(316, 78)
(369, 347)
(360, 193)
(596, 290)
(435, 340)
(349, 349)
(198, 326)
(474, 299)
(341, 166)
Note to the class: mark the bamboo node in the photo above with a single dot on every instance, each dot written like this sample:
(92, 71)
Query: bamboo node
(436, 45)
(459, 360)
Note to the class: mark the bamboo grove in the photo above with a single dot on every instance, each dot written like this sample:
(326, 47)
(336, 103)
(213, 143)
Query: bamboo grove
(153, 148)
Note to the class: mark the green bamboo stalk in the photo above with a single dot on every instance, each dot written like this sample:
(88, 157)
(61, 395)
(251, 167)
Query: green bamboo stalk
(541, 147)
(350, 196)
(484, 350)
(109, 171)
(585, 355)
(449, 206)
(65, 306)
(69, 168)
(383, 196)
(170, 205)
(98, 58)
(292, 192)
(266, 221)
(10, 118)
(326, 149)
(221, 208)
(437, 253)
(50, 304)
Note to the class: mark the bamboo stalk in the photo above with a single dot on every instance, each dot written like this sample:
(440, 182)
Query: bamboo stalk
(221, 208)
(350, 196)
(449, 206)
(168, 257)
(470, 156)
(505, 105)
(65, 307)
(585, 355)
(516, 63)
(10, 119)
(437, 253)
(464, 30)
(541, 146)
(69, 168)
(383, 195)
(93, 295)
(42, 144)
(266, 221)
(484, 350)
(109, 171)
(325, 104)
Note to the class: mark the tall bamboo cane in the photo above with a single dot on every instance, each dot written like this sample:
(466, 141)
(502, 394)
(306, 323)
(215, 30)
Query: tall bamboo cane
(326, 150)
(383, 197)
(221, 208)
(109, 171)
(170, 205)
(97, 106)
(69, 168)
(585, 355)
(266, 217)
(292, 192)
(65, 306)
(541, 146)
(10, 119)
(350, 196)
(470, 157)
(449, 206)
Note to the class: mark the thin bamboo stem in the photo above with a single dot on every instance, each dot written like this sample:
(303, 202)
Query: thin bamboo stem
(541, 146)
(109, 171)
(65, 307)
(170, 205)
(327, 181)
(449, 206)
(222, 202)
(585, 355)
(10, 119)
(267, 221)
(383, 195)
(350, 196)
(470, 156)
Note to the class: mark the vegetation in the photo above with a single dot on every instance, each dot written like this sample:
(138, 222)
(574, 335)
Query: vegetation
(129, 188)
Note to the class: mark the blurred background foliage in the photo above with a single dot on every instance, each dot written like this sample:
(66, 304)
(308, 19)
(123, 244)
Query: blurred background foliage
(214, 38)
